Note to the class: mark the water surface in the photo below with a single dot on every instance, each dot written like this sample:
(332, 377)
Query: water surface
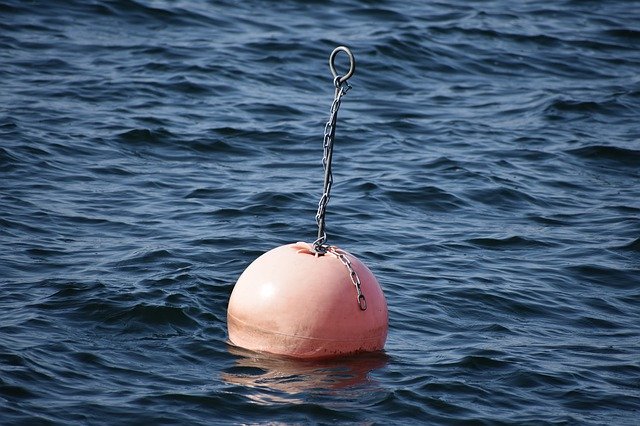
(487, 170)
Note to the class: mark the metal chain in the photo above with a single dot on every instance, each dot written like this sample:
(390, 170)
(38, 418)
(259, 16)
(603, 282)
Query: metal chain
(342, 87)
(355, 280)
(329, 136)
(319, 245)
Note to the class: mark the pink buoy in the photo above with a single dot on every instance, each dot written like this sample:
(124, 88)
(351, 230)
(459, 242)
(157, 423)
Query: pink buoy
(291, 301)
(310, 300)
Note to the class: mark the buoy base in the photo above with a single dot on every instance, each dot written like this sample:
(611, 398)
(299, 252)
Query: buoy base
(250, 337)
(292, 302)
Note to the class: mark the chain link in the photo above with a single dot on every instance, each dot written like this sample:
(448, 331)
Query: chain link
(355, 280)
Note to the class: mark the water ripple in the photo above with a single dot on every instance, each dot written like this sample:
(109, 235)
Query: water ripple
(486, 169)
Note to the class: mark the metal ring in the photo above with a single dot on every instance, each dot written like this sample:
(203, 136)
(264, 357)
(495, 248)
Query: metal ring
(362, 302)
(332, 65)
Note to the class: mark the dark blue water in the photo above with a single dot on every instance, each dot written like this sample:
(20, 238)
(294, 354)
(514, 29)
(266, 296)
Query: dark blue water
(486, 166)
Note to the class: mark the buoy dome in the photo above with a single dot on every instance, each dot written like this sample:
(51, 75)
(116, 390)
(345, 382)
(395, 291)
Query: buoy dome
(291, 302)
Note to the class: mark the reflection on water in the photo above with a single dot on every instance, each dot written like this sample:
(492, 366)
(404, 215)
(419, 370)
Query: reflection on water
(277, 379)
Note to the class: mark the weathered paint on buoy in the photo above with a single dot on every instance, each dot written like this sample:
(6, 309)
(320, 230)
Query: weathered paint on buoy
(292, 302)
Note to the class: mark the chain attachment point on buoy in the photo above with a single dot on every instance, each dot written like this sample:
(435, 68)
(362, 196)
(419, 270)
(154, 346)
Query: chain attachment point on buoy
(307, 248)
